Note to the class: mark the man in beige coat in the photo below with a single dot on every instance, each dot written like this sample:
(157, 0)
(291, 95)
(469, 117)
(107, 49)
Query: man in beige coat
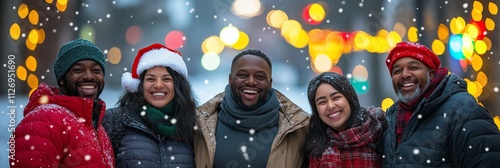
(250, 124)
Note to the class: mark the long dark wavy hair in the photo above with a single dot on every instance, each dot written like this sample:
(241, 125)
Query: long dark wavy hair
(317, 139)
(184, 104)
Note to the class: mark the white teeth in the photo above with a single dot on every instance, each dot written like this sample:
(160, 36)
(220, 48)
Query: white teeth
(334, 115)
(158, 94)
(407, 84)
(87, 87)
(250, 91)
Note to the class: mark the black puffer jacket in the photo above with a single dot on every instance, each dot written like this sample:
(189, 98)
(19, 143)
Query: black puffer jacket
(141, 147)
(449, 129)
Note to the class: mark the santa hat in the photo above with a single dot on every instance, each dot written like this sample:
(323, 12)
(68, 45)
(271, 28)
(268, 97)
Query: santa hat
(149, 57)
(413, 50)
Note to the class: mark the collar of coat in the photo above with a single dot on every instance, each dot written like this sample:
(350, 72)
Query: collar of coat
(291, 117)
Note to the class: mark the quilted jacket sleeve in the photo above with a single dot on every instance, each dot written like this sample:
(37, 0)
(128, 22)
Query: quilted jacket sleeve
(39, 140)
(474, 141)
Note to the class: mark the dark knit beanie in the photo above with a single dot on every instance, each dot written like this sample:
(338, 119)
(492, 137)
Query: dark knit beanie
(75, 51)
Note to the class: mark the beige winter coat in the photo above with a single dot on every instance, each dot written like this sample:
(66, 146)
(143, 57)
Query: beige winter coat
(285, 150)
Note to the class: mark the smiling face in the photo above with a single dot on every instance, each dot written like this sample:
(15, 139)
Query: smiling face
(250, 80)
(410, 77)
(332, 106)
(158, 86)
(84, 79)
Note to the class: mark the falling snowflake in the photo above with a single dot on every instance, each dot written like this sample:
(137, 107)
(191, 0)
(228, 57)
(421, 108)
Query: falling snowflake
(87, 157)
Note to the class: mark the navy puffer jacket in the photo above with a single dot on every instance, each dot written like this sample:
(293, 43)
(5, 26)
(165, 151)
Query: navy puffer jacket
(141, 147)
(449, 129)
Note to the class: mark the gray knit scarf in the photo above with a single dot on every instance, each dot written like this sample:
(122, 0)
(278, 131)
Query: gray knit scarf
(265, 116)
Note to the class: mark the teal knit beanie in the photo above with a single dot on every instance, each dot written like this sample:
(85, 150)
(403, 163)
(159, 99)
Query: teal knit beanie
(75, 51)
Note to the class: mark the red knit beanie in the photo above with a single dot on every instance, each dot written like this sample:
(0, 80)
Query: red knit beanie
(414, 50)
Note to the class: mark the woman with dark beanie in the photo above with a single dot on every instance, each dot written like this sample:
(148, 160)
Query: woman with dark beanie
(155, 121)
(342, 133)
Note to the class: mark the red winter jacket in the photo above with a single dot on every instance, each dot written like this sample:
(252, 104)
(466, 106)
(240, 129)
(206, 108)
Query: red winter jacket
(57, 131)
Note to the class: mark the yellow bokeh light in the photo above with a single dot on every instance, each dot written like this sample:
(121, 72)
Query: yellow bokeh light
(490, 24)
(479, 89)
(393, 38)
(61, 5)
(482, 78)
(212, 44)
(360, 73)
(229, 35)
(31, 63)
(400, 28)
(41, 35)
(472, 30)
(477, 6)
(210, 61)
(497, 119)
(383, 33)
(242, 41)
(15, 31)
(290, 28)
(438, 47)
(299, 41)
(49, 1)
(471, 87)
(322, 63)
(457, 25)
(22, 11)
(480, 47)
(443, 32)
(362, 40)
(386, 103)
(31, 46)
(488, 43)
(21, 73)
(114, 55)
(493, 8)
(32, 81)
(477, 15)
(477, 62)
(413, 34)
(317, 12)
(467, 45)
(275, 18)
(33, 36)
(33, 17)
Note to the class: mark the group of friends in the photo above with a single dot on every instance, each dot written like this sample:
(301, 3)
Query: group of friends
(157, 121)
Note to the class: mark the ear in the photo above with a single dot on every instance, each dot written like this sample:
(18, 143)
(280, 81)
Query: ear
(271, 82)
(431, 73)
(61, 82)
(229, 78)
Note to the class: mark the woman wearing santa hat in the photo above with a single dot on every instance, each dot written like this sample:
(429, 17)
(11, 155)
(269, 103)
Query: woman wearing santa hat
(154, 123)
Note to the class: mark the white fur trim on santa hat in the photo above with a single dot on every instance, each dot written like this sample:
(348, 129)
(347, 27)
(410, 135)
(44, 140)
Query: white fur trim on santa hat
(162, 57)
(128, 83)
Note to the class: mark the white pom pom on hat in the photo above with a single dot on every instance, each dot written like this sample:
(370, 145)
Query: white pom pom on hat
(149, 57)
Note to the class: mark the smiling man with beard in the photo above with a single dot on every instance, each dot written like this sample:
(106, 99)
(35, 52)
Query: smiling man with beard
(436, 122)
(250, 124)
(61, 126)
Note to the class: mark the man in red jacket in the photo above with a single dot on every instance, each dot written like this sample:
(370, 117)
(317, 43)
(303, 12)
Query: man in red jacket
(61, 126)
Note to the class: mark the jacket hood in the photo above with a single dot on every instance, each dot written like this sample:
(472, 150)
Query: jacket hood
(46, 94)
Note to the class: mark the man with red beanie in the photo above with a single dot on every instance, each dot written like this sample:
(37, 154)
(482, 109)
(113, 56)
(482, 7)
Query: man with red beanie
(436, 122)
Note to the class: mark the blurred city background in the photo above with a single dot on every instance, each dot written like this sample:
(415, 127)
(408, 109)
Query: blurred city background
(302, 38)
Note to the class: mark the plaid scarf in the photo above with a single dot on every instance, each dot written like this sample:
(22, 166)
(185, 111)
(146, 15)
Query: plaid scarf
(354, 147)
(406, 110)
